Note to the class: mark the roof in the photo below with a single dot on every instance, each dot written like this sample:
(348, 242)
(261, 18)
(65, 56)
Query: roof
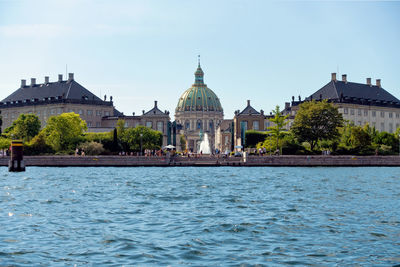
(199, 97)
(69, 89)
(249, 110)
(225, 125)
(155, 111)
(350, 90)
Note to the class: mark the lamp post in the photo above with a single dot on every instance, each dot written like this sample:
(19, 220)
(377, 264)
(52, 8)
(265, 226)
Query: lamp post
(141, 135)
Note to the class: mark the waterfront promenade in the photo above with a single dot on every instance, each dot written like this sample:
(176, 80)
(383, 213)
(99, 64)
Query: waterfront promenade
(132, 161)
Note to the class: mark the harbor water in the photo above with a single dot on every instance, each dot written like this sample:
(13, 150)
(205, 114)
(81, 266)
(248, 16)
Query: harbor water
(207, 216)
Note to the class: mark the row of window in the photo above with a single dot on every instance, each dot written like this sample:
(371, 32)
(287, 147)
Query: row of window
(256, 125)
(58, 111)
(199, 125)
(365, 113)
(381, 128)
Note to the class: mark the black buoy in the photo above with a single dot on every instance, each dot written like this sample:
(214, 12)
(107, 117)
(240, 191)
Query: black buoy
(16, 163)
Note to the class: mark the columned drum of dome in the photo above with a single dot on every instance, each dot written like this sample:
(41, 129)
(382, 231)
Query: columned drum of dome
(198, 111)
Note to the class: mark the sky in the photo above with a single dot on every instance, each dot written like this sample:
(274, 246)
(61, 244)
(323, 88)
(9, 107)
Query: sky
(141, 51)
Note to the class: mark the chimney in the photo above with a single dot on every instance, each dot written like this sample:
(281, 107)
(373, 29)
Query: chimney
(378, 83)
(248, 102)
(369, 81)
(46, 79)
(70, 76)
(287, 105)
(23, 83)
(344, 78)
(334, 76)
(33, 81)
(155, 103)
(60, 77)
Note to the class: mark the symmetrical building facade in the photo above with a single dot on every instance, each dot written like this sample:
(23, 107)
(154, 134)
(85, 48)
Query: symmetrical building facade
(53, 98)
(198, 112)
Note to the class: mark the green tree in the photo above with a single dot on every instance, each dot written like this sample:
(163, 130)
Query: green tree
(316, 121)
(4, 143)
(64, 131)
(277, 131)
(25, 127)
(142, 137)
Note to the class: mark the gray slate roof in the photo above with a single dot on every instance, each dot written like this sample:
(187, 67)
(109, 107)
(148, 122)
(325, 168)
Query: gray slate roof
(66, 89)
(155, 111)
(334, 90)
(249, 110)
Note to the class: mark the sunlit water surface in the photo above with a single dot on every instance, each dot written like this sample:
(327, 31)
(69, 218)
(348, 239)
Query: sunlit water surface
(200, 216)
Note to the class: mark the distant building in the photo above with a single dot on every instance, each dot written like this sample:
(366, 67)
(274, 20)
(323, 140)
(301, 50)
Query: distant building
(359, 103)
(198, 112)
(223, 136)
(154, 118)
(247, 119)
(53, 98)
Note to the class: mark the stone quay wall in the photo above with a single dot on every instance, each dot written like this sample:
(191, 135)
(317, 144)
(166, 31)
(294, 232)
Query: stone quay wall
(273, 161)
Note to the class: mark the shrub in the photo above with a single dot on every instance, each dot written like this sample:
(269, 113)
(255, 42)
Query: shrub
(92, 148)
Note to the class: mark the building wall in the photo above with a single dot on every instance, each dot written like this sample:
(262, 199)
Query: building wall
(254, 122)
(192, 133)
(382, 118)
(92, 114)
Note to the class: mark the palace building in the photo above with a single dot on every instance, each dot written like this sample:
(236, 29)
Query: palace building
(53, 98)
(198, 112)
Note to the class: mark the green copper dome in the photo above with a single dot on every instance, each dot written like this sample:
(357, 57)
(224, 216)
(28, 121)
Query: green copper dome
(199, 97)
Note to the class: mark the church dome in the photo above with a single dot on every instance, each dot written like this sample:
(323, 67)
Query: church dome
(199, 97)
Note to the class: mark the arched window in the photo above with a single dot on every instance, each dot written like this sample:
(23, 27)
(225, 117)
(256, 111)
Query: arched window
(199, 125)
(187, 125)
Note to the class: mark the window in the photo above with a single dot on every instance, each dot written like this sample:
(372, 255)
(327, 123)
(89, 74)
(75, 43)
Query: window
(160, 126)
(256, 125)
(53, 111)
(38, 113)
(59, 110)
(89, 123)
(187, 125)
(374, 125)
(346, 111)
(106, 113)
(397, 115)
(365, 112)
(211, 125)
(267, 124)
(199, 124)
(6, 115)
(126, 124)
(89, 112)
(70, 110)
(351, 111)
(373, 113)
(359, 112)
(359, 123)
(98, 124)
(382, 114)
(390, 128)
(390, 115)
(244, 123)
(149, 124)
(382, 126)
(397, 126)
(80, 112)
(226, 140)
(12, 115)
(98, 113)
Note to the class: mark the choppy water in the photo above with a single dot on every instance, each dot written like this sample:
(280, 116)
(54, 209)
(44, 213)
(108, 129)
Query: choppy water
(200, 216)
